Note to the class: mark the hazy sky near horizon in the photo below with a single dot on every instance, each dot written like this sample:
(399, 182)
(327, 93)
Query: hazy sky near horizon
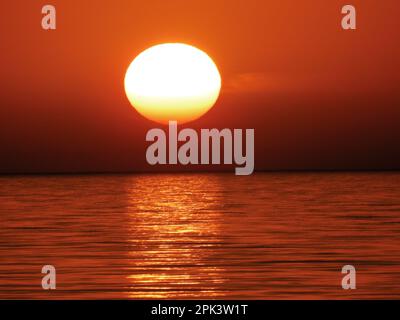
(318, 97)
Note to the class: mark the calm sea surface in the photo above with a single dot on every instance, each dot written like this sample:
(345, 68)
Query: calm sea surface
(267, 236)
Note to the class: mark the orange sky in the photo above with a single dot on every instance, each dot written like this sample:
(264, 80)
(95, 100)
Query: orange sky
(319, 97)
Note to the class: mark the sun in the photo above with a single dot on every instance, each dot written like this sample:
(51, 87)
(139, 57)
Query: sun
(172, 82)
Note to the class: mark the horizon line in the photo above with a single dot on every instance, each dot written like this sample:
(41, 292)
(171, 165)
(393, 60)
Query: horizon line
(106, 172)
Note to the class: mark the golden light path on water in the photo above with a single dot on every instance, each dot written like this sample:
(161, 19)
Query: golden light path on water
(174, 224)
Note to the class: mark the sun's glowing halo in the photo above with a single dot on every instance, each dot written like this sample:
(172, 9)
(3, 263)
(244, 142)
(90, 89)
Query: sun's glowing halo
(172, 81)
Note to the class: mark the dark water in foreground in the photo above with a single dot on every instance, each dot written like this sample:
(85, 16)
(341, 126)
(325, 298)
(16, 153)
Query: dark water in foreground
(268, 236)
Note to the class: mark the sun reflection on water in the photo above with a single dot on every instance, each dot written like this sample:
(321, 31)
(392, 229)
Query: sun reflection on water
(173, 224)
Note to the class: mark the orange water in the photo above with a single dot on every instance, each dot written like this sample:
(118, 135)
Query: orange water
(267, 236)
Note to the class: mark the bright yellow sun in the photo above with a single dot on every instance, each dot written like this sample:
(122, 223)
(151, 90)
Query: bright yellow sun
(172, 81)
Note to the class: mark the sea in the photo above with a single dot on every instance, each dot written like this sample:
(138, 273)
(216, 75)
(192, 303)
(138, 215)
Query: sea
(201, 236)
